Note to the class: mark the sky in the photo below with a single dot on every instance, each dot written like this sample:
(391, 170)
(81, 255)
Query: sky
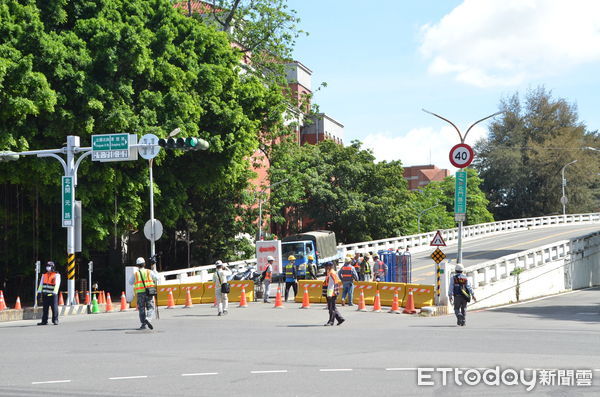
(385, 60)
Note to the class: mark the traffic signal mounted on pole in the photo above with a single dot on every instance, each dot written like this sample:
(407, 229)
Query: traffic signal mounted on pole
(189, 143)
(8, 156)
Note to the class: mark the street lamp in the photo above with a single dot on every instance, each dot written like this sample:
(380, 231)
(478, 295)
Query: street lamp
(421, 213)
(563, 199)
(260, 201)
(592, 148)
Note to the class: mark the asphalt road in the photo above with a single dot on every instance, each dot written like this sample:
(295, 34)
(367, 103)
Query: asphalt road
(261, 351)
(489, 248)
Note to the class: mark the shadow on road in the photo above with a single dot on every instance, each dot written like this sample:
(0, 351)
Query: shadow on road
(588, 313)
(195, 315)
(108, 330)
(487, 254)
(300, 325)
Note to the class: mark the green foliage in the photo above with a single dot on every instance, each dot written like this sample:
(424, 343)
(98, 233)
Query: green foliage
(527, 147)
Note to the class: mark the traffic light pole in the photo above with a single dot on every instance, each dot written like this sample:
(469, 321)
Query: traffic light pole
(153, 239)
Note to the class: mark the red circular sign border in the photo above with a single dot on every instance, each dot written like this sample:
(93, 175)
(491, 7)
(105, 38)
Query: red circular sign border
(469, 149)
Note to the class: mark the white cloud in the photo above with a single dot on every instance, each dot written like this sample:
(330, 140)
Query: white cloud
(420, 146)
(506, 42)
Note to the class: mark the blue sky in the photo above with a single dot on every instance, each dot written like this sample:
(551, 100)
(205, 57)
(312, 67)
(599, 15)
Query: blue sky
(385, 60)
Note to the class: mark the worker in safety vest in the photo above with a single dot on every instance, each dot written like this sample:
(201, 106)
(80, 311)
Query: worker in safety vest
(379, 269)
(355, 263)
(48, 289)
(312, 268)
(460, 293)
(348, 275)
(290, 277)
(266, 277)
(365, 269)
(141, 280)
(331, 291)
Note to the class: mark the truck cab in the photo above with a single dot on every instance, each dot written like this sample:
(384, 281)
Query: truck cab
(321, 244)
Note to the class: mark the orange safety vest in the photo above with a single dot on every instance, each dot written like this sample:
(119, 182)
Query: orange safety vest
(138, 285)
(346, 273)
(48, 282)
(267, 273)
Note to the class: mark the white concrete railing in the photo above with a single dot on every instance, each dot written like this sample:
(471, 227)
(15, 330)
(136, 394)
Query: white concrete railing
(416, 242)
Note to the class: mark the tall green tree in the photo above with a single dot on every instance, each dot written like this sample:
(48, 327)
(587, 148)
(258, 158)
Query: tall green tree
(521, 160)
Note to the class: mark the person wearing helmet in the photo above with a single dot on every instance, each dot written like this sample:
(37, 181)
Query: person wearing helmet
(331, 289)
(365, 269)
(141, 280)
(312, 268)
(221, 291)
(460, 293)
(266, 277)
(48, 289)
(290, 277)
(348, 275)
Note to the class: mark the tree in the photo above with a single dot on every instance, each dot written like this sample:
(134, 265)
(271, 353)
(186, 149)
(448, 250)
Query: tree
(521, 160)
(72, 67)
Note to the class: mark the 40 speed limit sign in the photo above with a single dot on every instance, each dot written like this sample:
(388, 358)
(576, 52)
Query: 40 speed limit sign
(461, 155)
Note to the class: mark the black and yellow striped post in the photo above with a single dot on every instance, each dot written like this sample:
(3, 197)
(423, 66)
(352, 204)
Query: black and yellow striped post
(439, 283)
(71, 274)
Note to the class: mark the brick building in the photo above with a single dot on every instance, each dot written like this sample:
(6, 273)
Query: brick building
(420, 176)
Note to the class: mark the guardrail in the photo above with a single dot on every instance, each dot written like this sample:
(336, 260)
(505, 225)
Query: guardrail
(419, 242)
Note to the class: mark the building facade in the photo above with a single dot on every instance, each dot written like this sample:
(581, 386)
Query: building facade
(420, 176)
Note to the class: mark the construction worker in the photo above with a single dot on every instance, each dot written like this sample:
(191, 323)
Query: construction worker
(48, 289)
(266, 277)
(219, 278)
(331, 285)
(379, 269)
(348, 275)
(141, 280)
(312, 268)
(460, 293)
(290, 277)
(356, 264)
(365, 269)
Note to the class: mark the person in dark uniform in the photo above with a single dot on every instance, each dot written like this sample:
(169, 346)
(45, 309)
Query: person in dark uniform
(48, 289)
(460, 293)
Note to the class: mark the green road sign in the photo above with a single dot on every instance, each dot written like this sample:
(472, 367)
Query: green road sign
(67, 201)
(460, 193)
(110, 147)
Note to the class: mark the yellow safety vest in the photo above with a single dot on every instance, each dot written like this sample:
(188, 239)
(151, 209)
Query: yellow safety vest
(146, 278)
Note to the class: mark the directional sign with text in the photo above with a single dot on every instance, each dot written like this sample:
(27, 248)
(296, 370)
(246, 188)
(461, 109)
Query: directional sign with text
(460, 193)
(112, 147)
(67, 201)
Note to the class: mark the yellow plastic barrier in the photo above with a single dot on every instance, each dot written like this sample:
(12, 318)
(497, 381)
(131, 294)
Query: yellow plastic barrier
(196, 292)
(369, 289)
(236, 290)
(387, 290)
(209, 292)
(422, 294)
(314, 290)
(162, 298)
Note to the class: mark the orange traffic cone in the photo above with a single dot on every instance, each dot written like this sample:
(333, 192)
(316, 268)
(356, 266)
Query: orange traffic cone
(361, 303)
(2, 303)
(171, 301)
(123, 302)
(61, 301)
(18, 304)
(188, 299)
(243, 302)
(409, 308)
(305, 299)
(278, 303)
(77, 297)
(395, 305)
(377, 303)
(87, 297)
(109, 306)
(102, 297)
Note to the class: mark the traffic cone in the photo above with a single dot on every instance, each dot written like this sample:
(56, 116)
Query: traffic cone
(2, 303)
(377, 303)
(101, 298)
(95, 308)
(188, 299)
(18, 304)
(243, 302)
(87, 297)
(361, 302)
(305, 299)
(61, 301)
(409, 308)
(171, 301)
(278, 303)
(77, 297)
(123, 302)
(109, 306)
(395, 306)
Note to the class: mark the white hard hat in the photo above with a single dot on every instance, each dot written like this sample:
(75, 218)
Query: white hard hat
(270, 258)
(140, 261)
(459, 267)
(218, 263)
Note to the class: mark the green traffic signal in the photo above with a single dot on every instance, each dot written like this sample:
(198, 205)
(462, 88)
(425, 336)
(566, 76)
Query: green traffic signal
(189, 143)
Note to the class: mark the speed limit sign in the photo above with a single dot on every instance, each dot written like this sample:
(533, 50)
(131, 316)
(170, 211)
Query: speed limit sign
(461, 155)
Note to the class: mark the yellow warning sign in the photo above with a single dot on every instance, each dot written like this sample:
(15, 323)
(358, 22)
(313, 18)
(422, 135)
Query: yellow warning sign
(438, 255)
(438, 240)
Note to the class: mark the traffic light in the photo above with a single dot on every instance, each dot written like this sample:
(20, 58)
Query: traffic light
(7, 156)
(189, 143)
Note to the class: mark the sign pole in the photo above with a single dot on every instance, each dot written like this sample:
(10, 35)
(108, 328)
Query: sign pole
(152, 236)
(72, 143)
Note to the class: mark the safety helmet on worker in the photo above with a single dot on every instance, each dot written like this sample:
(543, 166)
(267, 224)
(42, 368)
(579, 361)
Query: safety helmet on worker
(459, 268)
(270, 258)
(291, 258)
(310, 258)
(140, 261)
(50, 266)
(347, 260)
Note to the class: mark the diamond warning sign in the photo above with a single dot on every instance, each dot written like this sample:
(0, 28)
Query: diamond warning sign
(438, 241)
(438, 255)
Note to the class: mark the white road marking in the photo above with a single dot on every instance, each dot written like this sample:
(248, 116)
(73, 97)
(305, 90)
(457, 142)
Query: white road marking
(400, 369)
(201, 374)
(128, 377)
(276, 371)
(335, 369)
(51, 381)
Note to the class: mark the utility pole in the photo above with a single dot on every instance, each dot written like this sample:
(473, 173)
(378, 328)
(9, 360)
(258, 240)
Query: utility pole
(563, 199)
